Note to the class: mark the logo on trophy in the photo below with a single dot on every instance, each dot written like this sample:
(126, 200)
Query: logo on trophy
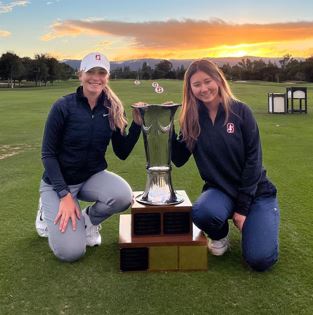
(159, 233)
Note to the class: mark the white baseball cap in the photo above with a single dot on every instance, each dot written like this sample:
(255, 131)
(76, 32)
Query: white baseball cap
(95, 59)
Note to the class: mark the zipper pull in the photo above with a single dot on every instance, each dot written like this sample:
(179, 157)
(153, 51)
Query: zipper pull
(92, 116)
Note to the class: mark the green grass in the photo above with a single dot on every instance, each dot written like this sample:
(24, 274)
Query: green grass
(32, 281)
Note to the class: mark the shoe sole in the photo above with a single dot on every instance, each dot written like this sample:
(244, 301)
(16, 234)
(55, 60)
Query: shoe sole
(218, 251)
(215, 252)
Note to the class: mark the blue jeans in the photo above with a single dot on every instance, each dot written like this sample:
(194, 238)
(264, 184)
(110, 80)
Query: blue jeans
(212, 210)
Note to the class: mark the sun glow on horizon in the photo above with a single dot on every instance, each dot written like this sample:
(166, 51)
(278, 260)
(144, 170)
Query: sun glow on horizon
(119, 53)
(239, 53)
(262, 50)
(241, 50)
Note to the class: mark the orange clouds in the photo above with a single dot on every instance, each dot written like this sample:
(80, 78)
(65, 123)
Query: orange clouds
(186, 35)
(4, 33)
(72, 28)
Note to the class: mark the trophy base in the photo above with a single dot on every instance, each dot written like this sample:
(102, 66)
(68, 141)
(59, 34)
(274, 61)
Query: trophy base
(179, 199)
(163, 253)
(161, 238)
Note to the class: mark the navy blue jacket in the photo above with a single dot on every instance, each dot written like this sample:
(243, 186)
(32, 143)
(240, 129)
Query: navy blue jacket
(76, 138)
(228, 156)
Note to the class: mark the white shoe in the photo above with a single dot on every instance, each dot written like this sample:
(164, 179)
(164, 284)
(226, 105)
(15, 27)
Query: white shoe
(41, 226)
(218, 247)
(93, 237)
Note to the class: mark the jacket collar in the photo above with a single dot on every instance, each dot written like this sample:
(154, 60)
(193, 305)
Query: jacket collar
(202, 109)
(102, 99)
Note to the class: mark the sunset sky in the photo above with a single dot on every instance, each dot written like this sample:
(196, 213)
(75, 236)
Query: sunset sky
(69, 29)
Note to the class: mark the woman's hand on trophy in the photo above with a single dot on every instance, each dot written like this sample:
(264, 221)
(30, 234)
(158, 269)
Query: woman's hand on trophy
(136, 112)
(139, 104)
(168, 103)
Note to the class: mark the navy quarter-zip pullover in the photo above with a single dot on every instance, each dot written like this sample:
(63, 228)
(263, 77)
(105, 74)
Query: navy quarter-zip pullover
(228, 155)
(76, 138)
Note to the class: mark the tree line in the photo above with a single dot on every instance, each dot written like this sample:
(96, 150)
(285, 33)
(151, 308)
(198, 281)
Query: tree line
(287, 69)
(43, 69)
(162, 70)
(40, 70)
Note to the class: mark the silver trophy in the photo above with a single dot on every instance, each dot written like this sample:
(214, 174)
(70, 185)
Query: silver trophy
(157, 131)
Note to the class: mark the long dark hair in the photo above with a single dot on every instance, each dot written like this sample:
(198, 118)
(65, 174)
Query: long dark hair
(189, 117)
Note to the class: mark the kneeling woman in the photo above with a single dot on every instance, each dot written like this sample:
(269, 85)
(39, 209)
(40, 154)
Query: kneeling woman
(223, 137)
(77, 132)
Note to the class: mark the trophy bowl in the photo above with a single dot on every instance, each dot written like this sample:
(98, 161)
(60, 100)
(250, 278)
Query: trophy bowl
(157, 129)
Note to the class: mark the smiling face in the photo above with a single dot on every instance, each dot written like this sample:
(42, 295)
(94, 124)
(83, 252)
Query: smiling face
(93, 82)
(205, 88)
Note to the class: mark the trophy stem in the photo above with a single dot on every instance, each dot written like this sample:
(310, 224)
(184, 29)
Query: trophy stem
(159, 189)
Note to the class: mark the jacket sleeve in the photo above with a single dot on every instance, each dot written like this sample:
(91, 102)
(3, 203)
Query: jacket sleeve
(50, 146)
(123, 144)
(252, 170)
(180, 153)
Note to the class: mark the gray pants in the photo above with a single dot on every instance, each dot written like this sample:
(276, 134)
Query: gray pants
(111, 194)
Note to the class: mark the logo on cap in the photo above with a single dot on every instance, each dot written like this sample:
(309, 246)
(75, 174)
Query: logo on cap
(98, 57)
(230, 128)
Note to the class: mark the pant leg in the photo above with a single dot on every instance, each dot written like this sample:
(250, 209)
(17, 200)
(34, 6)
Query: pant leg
(70, 245)
(211, 212)
(260, 234)
(110, 192)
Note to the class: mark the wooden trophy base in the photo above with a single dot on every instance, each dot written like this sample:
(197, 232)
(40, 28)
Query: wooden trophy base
(166, 220)
(165, 239)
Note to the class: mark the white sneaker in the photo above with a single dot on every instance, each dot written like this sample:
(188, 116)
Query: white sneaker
(218, 247)
(93, 237)
(41, 226)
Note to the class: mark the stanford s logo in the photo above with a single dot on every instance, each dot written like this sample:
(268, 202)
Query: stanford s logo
(230, 128)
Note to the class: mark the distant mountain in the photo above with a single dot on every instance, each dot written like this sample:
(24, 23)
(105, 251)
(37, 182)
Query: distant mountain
(133, 65)
(72, 63)
(136, 64)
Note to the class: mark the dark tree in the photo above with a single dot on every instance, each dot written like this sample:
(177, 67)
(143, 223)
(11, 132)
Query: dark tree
(180, 72)
(11, 68)
(162, 69)
(146, 71)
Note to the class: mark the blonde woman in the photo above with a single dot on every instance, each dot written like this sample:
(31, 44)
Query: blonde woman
(223, 136)
(78, 130)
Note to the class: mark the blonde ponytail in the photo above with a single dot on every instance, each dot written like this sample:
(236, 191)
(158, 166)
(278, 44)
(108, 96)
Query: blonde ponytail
(116, 111)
